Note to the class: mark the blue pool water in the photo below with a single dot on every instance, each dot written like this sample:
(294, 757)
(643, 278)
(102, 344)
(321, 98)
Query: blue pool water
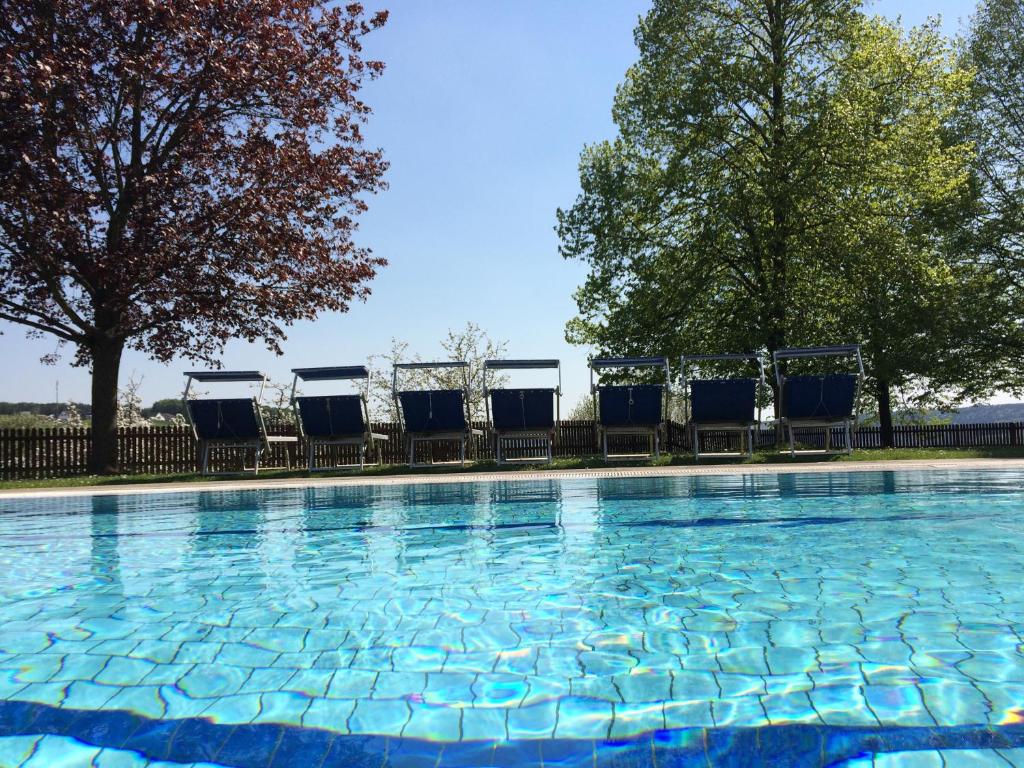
(793, 619)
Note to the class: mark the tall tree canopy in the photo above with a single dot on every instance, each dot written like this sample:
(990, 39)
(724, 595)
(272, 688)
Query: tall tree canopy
(897, 188)
(173, 175)
(692, 219)
(994, 120)
(778, 178)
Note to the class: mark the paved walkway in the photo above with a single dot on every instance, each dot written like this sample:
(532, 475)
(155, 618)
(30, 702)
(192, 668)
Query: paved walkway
(252, 483)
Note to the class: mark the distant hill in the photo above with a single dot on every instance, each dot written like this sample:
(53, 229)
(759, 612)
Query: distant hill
(989, 414)
(971, 414)
(40, 409)
(170, 406)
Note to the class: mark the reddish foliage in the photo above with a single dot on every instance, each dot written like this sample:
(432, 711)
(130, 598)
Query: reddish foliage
(174, 174)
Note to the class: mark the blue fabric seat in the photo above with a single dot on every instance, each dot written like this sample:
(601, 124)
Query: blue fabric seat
(819, 398)
(433, 411)
(523, 410)
(723, 401)
(331, 416)
(630, 405)
(226, 419)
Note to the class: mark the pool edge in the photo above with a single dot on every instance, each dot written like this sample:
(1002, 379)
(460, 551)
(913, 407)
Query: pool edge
(255, 483)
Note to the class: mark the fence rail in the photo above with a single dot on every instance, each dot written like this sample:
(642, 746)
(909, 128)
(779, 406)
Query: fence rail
(45, 453)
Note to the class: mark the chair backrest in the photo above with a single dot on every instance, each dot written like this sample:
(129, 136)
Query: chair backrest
(819, 397)
(630, 405)
(722, 401)
(225, 419)
(438, 410)
(331, 415)
(522, 409)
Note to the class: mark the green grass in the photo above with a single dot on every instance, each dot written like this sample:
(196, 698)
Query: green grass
(765, 457)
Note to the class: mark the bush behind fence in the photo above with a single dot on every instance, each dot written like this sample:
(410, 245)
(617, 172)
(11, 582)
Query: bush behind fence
(44, 453)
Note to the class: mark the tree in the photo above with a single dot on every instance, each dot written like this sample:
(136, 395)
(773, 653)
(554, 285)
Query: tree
(171, 406)
(993, 119)
(583, 410)
(176, 175)
(129, 404)
(470, 343)
(694, 219)
(784, 174)
(898, 183)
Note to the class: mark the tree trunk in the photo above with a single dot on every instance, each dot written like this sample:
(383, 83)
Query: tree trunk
(106, 365)
(885, 433)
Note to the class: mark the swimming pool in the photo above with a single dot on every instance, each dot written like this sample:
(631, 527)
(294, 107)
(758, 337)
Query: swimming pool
(796, 619)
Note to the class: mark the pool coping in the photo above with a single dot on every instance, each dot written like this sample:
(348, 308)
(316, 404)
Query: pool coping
(255, 483)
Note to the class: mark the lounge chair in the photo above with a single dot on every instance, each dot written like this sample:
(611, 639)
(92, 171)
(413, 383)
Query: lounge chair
(235, 422)
(722, 405)
(630, 410)
(429, 416)
(335, 419)
(527, 416)
(819, 400)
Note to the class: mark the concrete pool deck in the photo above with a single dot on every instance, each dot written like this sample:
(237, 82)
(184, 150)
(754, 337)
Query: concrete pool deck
(257, 483)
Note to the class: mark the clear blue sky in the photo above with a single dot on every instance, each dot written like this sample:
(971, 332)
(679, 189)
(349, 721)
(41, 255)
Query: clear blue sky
(482, 112)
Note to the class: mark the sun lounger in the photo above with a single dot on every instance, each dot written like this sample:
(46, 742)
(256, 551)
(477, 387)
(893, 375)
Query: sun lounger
(630, 410)
(233, 423)
(824, 401)
(435, 415)
(523, 417)
(722, 405)
(335, 420)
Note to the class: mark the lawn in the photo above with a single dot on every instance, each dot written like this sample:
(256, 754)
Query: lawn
(594, 462)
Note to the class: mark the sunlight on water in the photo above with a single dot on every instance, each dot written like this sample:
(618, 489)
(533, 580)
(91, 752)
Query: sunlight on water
(515, 611)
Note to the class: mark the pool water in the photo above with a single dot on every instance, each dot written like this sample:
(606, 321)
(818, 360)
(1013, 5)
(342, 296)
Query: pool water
(791, 619)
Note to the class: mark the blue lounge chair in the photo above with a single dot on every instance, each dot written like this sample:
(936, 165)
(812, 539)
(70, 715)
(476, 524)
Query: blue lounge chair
(429, 416)
(527, 416)
(335, 419)
(630, 409)
(722, 405)
(235, 422)
(820, 400)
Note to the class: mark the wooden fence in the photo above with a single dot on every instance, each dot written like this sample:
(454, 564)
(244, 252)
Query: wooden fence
(43, 453)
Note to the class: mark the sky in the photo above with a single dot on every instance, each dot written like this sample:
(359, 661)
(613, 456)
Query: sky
(482, 113)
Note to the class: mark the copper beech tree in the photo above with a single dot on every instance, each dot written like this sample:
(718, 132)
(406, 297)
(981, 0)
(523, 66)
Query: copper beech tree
(177, 174)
